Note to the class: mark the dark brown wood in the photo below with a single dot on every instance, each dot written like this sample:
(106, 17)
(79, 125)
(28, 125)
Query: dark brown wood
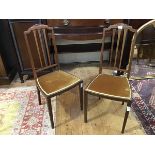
(85, 106)
(118, 42)
(135, 23)
(41, 37)
(8, 59)
(50, 112)
(55, 48)
(81, 95)
(89, 32)
(120, 31)
(74, 48)
(47, 48)
(39, 97)
(2, 68)
(30, 55)
(80, 29)
(82, 22)
(38, 50)
(126, 116)
(112, 45)
(17, 27)
(123, 44)
(40, 47)
(146, 40)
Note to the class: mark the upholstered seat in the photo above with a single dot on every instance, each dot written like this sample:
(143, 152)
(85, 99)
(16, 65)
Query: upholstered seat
(55, 82)
(110, 86)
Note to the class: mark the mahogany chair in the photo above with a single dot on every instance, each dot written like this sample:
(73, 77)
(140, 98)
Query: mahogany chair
(109, 86)
(50, 80)
(146, 39)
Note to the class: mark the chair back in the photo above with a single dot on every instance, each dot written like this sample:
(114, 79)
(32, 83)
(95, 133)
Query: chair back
(39, 49)
(146, 33)
(122, 36)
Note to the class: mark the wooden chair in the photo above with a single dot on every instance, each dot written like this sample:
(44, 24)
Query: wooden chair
(109, 86)
(50, 80)
(146, 40)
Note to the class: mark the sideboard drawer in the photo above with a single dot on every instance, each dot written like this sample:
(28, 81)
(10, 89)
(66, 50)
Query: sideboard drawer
(82, 22)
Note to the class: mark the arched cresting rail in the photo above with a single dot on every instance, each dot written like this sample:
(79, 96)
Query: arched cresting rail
(146, 38)
(145, 44)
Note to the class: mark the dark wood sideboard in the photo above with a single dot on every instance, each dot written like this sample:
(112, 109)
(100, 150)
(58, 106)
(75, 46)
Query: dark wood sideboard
(15, 57)
(79, 30)
(8, 60)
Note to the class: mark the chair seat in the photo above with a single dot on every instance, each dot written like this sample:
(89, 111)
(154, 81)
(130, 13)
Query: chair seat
(110, 86)
(56, 81)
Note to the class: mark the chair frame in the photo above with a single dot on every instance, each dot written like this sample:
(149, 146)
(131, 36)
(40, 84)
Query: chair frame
(139, 46)
(39, 28)
(125, 27)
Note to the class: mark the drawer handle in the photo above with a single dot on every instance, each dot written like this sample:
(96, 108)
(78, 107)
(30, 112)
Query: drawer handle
(66, 22)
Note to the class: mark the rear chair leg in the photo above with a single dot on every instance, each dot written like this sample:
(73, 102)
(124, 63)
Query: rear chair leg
(85, 106)
(50, 112)
(126, 116)
(81, 95)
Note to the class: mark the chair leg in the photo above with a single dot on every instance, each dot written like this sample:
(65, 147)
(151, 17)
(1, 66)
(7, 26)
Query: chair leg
(85, 106)
(39, 98)
(138, 52)
(126, 116)
(123, 103)
(50, 112)
(150, 53)
(81, 95)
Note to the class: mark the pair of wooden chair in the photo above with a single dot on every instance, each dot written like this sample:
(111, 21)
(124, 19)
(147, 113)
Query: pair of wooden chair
(51, 81)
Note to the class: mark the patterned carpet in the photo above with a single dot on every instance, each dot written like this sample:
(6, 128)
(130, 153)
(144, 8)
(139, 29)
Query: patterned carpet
(142, 70)
(144, 94)
(143, 104)
(20, 113)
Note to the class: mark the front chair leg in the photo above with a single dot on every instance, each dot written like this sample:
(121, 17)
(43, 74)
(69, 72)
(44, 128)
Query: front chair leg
(85, 106)
(39, 98)
(81, 95)
(126, 116)
(50, 112)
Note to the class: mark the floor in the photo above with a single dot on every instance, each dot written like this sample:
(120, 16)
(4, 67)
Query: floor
(105, 117)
